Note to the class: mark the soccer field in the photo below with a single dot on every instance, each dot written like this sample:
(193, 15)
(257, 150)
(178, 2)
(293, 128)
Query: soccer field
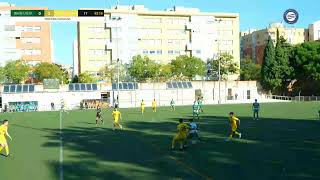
(283, 144)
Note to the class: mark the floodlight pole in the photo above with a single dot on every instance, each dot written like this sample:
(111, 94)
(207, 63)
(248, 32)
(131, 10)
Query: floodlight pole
(116, 19)
(219, 61)
(219, 70)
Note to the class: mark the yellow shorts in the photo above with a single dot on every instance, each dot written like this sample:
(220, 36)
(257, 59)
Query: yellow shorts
(116, 122)
(234, 127)
(180, 137)
(3, 142)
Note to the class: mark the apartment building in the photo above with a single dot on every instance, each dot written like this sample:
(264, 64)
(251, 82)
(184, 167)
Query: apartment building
(160, 35)
(253, 42)
(29, 41)
(314, 31)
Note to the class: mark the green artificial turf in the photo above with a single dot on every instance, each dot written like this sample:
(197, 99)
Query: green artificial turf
(283, 144)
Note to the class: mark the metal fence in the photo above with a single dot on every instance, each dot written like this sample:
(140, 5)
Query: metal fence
(294, 98)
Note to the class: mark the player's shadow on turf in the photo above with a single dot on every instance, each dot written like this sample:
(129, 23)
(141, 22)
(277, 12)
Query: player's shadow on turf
(271, 149)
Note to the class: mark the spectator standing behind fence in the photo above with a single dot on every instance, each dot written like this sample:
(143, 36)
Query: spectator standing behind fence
(52, 106)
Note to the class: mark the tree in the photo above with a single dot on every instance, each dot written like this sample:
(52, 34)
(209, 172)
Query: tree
(46, 70)
(276, 70)
(187, 66)
(75, 79)
(16, 71)
(2, 75)
(110, 72)
(86, 78)
(249, 70)
(66, 76)
(305, 60)
(270, 78)
(142, 68)
(282, 54)
(227, 66)
(165, 72)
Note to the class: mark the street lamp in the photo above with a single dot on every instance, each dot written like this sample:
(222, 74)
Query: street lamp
(116, 19)
(219, 70)
(219, 60)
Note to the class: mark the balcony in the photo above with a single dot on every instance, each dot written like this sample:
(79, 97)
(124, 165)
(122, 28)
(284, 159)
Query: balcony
(189, 46)
(13, 34)
(189, 26)
(109, 46)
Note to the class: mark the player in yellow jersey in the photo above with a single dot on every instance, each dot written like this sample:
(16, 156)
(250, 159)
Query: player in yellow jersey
(3, 133)
(181, 135)
(116, 114)
(142, 106)
(234, 123)
(154, 105)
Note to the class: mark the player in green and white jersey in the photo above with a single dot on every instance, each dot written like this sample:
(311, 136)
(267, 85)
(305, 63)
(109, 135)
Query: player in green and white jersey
(255, 109)
(195, 110)
(172, 105)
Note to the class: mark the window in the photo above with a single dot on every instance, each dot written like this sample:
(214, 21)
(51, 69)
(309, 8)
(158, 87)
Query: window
(151, 31)
(145, 52)
(170, 52)
(96, 52)
(98, 40)
(189, 84)
(36, 52)
(159, 52)
(31, 52)
(9, 27)
(96, 29)
(198, 51)
(177, 42)
(180, 85)
(28, 40)
(152, 52)
(36, 28)
(152, 20)
(176, 31)
(210, 21)
(248, 94)
(177, 52)
(152, 42)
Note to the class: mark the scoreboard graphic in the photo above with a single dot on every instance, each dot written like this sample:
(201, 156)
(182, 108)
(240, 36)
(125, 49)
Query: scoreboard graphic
(57, 15)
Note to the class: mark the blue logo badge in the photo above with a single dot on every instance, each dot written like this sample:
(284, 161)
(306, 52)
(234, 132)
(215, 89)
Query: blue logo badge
(291, 16)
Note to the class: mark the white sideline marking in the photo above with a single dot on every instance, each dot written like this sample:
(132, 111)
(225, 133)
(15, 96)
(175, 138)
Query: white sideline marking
(61, 149)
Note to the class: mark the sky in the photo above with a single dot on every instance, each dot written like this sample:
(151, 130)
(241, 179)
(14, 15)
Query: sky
(253, 14)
